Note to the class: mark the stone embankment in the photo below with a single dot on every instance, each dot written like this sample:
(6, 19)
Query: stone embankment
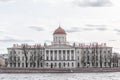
(39, 70)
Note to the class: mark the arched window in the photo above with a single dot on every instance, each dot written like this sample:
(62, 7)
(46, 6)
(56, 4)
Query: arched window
(41, 65)
(18, 64)
(72, 64)
(37, 63)
(68, 64)
(14, 64)
(55, 64)
(51, 65)
(78, 64)
(64, 64)
(47, 64)
(59, 65)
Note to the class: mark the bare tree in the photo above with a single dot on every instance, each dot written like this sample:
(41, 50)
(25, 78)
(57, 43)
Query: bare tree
(36, 58)
(101, 58)
(12, 58)
(93, 57)
(25, 52)
(88, 57)
(39, 59)
(83, 58)
(39, 56)
(32, 60)
(110, 59)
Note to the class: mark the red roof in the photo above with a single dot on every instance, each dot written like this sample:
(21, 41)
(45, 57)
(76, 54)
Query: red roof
(59, 31)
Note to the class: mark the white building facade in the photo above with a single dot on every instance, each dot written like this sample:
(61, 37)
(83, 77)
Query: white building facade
(60, 54)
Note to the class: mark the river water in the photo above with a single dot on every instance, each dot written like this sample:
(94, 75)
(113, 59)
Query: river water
(61, 76)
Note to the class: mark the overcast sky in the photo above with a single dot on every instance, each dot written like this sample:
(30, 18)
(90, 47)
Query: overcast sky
(34, 21)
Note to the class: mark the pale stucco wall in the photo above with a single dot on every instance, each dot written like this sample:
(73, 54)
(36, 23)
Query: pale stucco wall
(2, 62)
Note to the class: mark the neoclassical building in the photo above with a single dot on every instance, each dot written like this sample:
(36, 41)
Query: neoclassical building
(60, 54)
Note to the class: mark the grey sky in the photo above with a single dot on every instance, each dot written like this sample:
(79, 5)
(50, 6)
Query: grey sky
(33, 21)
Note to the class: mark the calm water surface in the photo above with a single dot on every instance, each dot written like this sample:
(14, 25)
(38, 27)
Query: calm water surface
(62, 76)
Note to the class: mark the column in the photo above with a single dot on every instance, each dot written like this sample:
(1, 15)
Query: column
(65, 54)
(57, 54)
(61, 54)
(70, 54)
(53, 54)
(49, 54)
(16, 64)
(74, 54)
(45, 55)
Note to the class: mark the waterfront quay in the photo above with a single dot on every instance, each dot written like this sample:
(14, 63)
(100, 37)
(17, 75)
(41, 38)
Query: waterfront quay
(77, 70)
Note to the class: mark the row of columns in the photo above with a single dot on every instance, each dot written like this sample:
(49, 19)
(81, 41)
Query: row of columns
(57, 54)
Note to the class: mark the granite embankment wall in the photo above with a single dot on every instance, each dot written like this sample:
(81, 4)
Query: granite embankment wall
(38, 70)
